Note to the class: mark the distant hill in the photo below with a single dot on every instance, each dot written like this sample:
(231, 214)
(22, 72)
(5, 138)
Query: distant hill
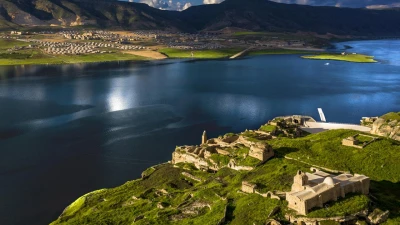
(270, 16)
(257, 15)
(87, 12)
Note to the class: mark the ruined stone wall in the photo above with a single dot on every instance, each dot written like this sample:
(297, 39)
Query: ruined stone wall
(261, 151)
(179, 157)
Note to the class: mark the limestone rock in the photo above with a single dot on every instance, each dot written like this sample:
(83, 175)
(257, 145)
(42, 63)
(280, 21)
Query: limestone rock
(272, 222)
(162, 205)
(390, 129)
(378, 216)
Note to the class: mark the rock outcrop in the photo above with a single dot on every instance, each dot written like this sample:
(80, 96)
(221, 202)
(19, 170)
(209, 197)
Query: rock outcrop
(386, 128)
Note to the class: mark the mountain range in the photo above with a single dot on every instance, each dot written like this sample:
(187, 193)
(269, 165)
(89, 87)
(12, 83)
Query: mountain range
(255, 15)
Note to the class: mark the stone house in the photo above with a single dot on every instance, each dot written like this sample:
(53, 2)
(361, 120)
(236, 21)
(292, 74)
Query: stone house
(248, 187)
(350, 141)
(316, 189)
(261, 151)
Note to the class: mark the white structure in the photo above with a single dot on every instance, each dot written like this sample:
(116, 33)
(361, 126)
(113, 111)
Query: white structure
(322, 115)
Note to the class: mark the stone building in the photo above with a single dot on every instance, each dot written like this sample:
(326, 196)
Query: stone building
(204, 138)
(261, 151)
(248, 187)
(313, 190)
(350, 141)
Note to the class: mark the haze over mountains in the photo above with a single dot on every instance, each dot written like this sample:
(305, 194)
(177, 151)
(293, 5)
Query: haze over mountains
(256, 15)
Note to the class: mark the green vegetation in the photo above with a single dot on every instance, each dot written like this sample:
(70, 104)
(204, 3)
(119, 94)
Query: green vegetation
(379, 160)
(253, 208)
(35, 57)
(221, 160)
(148, 172)
(78, 204)
(200, 54)
(268, 128)
(364, 139)
(392, 116)
(165, 196)
(276, 174)
(248, 161)
(278, 52)
(240, 155)
(10, 43)
(359, 58)
(343, 207)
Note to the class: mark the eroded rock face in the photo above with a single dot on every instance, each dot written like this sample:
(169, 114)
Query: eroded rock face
(390, 129)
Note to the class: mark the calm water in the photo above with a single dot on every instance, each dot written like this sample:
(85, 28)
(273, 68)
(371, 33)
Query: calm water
(67, 130)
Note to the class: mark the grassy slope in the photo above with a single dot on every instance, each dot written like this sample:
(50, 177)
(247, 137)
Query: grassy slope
(224, 53)
(9, 43)
(392, 116)
(278, 52)
(379, 160)
(38, 58)
(116, 206)
(359, 58)
(200, 54)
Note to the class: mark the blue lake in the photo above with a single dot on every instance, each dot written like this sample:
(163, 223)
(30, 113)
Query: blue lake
(70, 129)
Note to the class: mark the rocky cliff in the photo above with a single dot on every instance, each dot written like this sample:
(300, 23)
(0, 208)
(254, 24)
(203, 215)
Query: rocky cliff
(388, 126)
(98, 13)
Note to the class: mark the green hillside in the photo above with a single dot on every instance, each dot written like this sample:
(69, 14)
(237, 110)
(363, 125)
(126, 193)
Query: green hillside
(166, 196)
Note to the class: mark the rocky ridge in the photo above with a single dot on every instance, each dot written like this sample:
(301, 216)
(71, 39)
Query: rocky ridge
(387, 125)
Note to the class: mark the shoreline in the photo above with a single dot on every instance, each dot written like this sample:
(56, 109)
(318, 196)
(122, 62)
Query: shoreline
(146, 56)
(151, 192)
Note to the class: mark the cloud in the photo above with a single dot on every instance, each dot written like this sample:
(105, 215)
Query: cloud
(159, 4)
(212, 1)
(187, 5)
(345, 3)
(303, 2)
(383, 6)
(166, 4)
(184, 4)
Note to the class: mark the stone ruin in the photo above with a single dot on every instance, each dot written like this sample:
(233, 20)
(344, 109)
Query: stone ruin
(352, 141)
(248, 187)
(200, 156)
(311, 190)
(261, 151)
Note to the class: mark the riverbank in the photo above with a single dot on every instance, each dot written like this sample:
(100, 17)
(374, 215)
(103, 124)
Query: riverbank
(357, 58)
(36, 57)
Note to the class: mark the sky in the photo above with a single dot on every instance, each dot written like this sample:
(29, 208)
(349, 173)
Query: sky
(184, 4)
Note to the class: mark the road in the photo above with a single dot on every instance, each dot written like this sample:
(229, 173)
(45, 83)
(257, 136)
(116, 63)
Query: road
(316, 127)
(240, 53)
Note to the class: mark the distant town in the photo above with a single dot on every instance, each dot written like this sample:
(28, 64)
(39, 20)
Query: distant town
(149, 44)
